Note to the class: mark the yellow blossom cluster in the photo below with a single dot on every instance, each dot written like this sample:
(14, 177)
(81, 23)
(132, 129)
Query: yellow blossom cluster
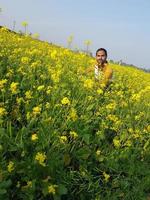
(41, 157)
(55, 115)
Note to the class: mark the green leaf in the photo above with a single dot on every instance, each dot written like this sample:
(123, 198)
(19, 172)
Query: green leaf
(2, 191)
(83, 153)
(57, 197)
(62, 189)
(2, 131)
(86, 138)
(5, 184)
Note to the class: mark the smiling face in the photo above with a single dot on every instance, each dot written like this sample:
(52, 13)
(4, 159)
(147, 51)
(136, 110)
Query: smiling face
(101, 57)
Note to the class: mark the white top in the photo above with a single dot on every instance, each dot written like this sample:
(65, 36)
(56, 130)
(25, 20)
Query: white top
(99, 74)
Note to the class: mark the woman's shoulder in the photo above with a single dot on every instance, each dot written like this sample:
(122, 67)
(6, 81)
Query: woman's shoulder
(108, 68)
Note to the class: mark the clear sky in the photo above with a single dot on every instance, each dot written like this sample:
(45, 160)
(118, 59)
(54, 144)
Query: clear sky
(120, 26)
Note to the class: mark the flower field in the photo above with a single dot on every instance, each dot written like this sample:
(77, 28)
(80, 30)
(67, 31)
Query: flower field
(62, 137)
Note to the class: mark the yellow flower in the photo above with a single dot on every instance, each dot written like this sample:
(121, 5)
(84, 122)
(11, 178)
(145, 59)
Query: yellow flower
(10, 166)
(10, 73)
(53, 54)
(40, 88)
(13, 87)
(89, 98)
(116, 143)
(28, 115)
(130, 130)
(65, 101)
(34, 137)
(49, 89)
(99, 91)
(2, 83)
(36, 110)
(47, 105)
(148, 128)
(88, 83)
(5, 29)
(52, 189)
(106, 176)
(34, 64)
(73, 114)
(112, 118)
(55, 76)
(25, 60)
(87, 42)
(28, 185)
(24, 23)
(21, 70)
(41, 157)
(28, 94)
(98, 152)
(35, 36)
(103, 85)
(19, 100)
(111, 106)
(136, 97)
(2, 111)
(73, 134)
(128, 143)
(63, 139)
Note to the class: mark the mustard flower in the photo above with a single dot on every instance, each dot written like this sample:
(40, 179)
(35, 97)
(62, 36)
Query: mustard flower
(35, 36)
(116, 142)
(36, 110)
(63, 139)
(10, 166)
(28, 95)
(53, 54)
(24, 23)
(99, 91)
(73, 134)
(34, 137)
(40, 88)
(41, 157)
(2, 83)
(47, 105)
(25, 60)
(13, 87)
(19, 100)
(65, 101)
(28, 185)
(106, 176)
(2, 111)
(98, 152)
(49, 89)
(73, 114)
(52, 189)
(88, 83)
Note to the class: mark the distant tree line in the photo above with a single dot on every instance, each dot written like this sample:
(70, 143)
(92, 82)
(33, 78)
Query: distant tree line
(121, 63)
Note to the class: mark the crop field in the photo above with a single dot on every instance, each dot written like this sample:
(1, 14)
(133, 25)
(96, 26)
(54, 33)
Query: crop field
(62, 136)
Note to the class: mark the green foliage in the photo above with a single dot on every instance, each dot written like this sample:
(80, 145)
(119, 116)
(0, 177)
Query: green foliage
(61, 136)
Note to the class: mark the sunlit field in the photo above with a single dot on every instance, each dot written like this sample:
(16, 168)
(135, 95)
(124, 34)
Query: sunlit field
(62, 136)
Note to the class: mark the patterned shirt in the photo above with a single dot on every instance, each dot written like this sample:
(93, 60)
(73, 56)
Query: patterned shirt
(104, 75)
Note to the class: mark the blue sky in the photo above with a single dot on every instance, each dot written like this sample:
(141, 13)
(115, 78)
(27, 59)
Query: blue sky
(122, 27)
